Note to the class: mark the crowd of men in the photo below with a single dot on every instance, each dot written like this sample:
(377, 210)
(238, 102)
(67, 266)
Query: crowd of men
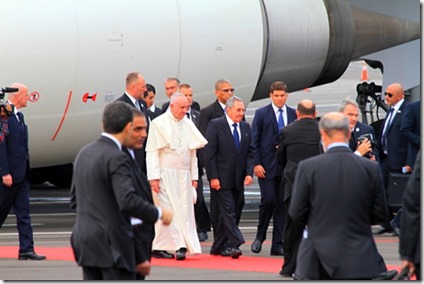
(138, 192)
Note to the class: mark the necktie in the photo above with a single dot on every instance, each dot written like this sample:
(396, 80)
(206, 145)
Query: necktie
(386, 127)
(21, 117)
(137, 105)
(236, 136)
(188, 115)
(280, 119)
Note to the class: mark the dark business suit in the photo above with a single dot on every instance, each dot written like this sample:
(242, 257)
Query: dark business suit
(140, 154)
(338, 196)
(104, 196)
(153, 114)
(14, 160)
(265, 135)
(224, 162)
(410, 238)
(396, 146)
(361, 129)
(299, 140)
(214, 110)
(143, 233)
(203, 220)
(410, 129)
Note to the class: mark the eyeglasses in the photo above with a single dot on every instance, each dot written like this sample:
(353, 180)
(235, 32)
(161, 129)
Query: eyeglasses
(388, 94)
(228, 90)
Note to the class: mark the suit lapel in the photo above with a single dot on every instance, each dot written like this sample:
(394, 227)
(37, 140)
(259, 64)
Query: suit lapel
(271, 117)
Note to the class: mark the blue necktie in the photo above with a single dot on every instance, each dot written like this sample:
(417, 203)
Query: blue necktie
(280, 119)
(236, 136)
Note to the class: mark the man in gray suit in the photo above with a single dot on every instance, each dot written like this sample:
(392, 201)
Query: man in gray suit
(103, 194)
(338, 196)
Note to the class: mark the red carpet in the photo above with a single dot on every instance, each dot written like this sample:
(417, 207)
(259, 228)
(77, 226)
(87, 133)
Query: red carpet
(202, 261)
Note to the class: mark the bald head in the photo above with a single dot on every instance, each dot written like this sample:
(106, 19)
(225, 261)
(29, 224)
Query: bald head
(334, 127)
(20, 98)
(306, 109)
(394, 93)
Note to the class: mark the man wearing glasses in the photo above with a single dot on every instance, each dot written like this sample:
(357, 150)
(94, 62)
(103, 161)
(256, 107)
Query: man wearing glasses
(223, 91)
(392, 145)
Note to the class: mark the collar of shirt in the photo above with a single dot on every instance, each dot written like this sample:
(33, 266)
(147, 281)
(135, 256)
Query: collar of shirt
(231, 122)
(222, 105)
(15, 109)
(113, 139)
(275, 108)
(152, 108)
(133, 100)
(337, 144)
(396, 107)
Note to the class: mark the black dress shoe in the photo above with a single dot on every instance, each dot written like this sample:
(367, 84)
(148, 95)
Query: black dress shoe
(386, 275)
(256, 246)
(203, 236)
(234, 252)
(181, 254)
(396, 230)
(277, 252)
(221, 252)
(285, 274)
(382, 231)
(161, 254)
(31, 256)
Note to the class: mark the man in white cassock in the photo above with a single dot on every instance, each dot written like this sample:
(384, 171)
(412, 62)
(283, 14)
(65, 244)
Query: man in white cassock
(173, 174)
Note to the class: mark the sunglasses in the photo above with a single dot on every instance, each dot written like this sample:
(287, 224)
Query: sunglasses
(388, 94)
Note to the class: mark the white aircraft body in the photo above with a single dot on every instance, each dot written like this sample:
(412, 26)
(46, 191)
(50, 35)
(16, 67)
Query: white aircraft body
(74, 55)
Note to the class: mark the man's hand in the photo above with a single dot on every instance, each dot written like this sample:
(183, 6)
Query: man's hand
(194, 183)
(259, 171)
(215, 184)
(364, 147)
(144, 268)
(7, 180)
(166, 216)
(154, 184)
(248, 180)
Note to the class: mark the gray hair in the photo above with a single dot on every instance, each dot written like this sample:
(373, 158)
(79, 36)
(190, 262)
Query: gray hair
(230, 101)
(333, 122)
(347, 101)
(221, 82)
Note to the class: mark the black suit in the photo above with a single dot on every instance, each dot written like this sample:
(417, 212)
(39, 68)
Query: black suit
(145, 232)
(224, 162)
(140, 154)
(410, 239)
(203, 220)
(299, 140)
(14, 160)
(153, 114)
(395, 159)
(104, 196)
(410, 129)
(208, 113)
(361, 129)
(338, 195)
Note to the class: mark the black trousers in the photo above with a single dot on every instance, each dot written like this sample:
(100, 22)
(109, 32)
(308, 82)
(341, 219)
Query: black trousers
(291, 241)
(201, 212)
(226, 212)
(111, 273)
(272, 206)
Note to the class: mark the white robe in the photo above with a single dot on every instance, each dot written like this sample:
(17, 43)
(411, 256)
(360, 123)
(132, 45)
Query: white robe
(171, 158)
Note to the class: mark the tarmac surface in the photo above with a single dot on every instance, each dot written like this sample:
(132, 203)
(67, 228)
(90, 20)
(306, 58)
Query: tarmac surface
(52, 218)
